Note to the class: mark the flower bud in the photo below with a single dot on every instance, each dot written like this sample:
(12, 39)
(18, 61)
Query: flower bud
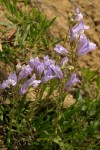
(18, 67)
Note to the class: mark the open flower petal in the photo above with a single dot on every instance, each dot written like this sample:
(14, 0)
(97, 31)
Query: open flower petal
(77, 30)
(60, 49)
(85, 45)
(26, 85)
(12, 79)
(79, 16)
(57, 71)
(64, 61)
(72, 81)
(27, 70)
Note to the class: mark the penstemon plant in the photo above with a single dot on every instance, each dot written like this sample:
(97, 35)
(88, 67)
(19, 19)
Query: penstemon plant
(33, 124)
(48, 69)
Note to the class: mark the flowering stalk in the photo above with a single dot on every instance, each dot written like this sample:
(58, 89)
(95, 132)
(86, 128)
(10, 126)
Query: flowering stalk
(37, 72)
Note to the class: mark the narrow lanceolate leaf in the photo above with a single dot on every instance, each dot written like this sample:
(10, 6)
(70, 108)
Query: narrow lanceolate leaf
(4, 23)
(50, 23)
(25, 35)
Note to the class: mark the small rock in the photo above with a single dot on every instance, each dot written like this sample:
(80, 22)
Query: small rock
(69, 100)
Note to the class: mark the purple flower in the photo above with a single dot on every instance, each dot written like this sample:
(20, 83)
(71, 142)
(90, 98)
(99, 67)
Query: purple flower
(60, 49)
(26, 70)
(48, 75)
(4, 85)
(72, 81)
(40, 69)
(34, 63)
(79, 16)
(47, 62)
(86, 27)
(25, 86)
(12, 80)
(64, 61)
(28, 83)
(57, 71)
(77, 30)
(85, 45)
(35, 83)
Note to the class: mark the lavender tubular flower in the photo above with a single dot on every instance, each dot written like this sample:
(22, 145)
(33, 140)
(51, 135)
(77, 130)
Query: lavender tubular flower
(47, 62)
(47, 78)
(79, 16)
(31, 63)
(26, 85)
(85, 45)
(27, 70)
(24, 88)
(48, 75)
(77, 10)
(12, 80)
(64, 61)
(34, 63)
(35, 83)
(40, 69)
(60, 49)
(57, 71)
(77, 30)
(72, 81)
(4, 85)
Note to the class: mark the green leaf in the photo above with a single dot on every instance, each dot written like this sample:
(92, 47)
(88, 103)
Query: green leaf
(92, 128)
(25, 34)
(21, 104)
(87, 74)
(50, 23)
(10, 6)
(53, 86)
(98, 81)
(15, 2)
(11, 26)
(26, 2)
(4, 23)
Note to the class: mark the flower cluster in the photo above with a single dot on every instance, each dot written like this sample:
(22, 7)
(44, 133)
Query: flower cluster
(39, 72)
(77, 34)
(77, 37)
